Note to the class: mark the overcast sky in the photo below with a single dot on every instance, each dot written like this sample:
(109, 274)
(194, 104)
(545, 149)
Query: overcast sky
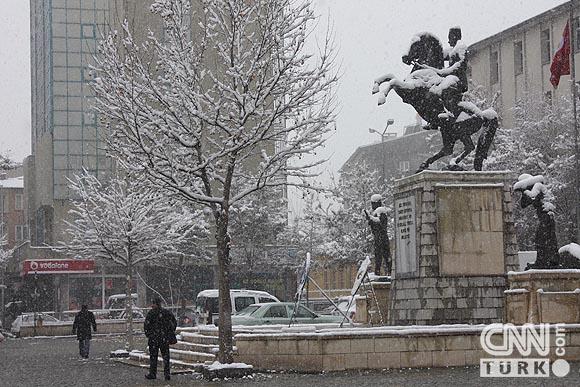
(371, 36)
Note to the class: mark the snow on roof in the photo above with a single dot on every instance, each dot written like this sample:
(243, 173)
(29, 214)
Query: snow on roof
(572, 248)
(214, 292)
(14, 182)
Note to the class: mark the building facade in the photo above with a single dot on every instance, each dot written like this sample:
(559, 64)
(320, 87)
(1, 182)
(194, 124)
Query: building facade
(396, 157)
(13, 220)
(516, 61)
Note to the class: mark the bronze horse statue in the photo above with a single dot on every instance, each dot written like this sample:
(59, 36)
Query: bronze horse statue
(423, 88)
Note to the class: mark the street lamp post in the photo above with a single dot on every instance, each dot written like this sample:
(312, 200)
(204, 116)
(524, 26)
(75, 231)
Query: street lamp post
(383, 135)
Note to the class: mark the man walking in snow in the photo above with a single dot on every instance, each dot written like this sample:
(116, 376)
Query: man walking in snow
(159, 328)
(84, 320)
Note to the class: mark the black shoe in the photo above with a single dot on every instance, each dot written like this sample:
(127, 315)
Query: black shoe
(167, 377)
(150, 377)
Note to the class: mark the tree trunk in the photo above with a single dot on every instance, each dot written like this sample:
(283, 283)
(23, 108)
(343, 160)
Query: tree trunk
(225, 355)
(129, 306)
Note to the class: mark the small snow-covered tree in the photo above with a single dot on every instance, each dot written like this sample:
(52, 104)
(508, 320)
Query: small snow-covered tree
(226, 103)
(350, 238)
(127, 223)
(541, 143)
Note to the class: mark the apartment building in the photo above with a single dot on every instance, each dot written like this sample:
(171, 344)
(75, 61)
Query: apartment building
(517, 60)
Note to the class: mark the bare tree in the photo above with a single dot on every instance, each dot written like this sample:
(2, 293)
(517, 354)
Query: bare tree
(127, 224)
(220, 110)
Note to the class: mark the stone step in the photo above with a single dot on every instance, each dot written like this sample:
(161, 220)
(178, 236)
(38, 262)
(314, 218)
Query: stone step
(195, 347)
(190, 356)
(199, 338)
(142, 360)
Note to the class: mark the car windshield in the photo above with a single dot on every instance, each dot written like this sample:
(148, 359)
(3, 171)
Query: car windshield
(248, 311)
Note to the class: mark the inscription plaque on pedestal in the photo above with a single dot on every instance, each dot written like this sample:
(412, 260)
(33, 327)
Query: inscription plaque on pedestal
(406, 235)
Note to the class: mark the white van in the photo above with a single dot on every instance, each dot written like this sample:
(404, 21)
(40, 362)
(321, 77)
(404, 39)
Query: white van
(241, 298)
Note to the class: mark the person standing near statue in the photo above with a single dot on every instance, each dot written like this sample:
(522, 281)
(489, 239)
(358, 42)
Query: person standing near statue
(84, 320)
(378, 222)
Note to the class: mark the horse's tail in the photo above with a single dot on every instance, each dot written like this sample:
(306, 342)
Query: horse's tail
(484, 143)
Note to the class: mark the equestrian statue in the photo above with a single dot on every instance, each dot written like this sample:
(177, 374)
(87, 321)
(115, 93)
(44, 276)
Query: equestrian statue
(436, 93)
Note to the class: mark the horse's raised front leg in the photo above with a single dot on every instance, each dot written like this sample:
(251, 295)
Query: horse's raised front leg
(380, 80)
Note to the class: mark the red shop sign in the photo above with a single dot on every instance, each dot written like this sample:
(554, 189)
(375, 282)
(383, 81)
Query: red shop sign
(58, 266)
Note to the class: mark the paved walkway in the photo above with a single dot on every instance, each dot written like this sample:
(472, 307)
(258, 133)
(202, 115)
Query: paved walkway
(55, 362)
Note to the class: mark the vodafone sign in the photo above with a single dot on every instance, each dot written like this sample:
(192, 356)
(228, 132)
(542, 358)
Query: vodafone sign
(58, 266)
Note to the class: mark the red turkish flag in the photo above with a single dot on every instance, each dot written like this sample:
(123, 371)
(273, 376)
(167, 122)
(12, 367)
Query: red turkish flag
(561, 60)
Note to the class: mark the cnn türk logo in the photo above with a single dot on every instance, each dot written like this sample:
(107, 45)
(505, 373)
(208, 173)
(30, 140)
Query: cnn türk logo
(504, 340)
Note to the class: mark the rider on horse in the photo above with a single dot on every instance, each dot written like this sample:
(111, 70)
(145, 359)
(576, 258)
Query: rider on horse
(453, 94)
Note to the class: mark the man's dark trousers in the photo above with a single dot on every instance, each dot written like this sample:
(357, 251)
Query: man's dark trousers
(84, 347)
(154, 349)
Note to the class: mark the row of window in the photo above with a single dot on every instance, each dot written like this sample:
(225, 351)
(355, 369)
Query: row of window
(545, 52)
(20, 232)
(18, 203)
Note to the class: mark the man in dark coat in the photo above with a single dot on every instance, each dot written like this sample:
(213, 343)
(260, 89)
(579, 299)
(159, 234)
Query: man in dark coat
(159, 328)
(84, 320)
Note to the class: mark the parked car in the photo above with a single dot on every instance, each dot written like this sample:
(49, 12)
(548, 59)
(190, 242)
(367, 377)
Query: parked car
(116, 305)
(280, 313)
(207, 301)
(27, 320)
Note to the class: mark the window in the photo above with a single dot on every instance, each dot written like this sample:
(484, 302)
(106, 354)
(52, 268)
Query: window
(88, 31)
(302, 312)
(18, 202)
(21, 232)
(404, 166)
(494, 67)
(518, 58)
(545, 46)
(265, 299)
(243, 302)
(276, 311)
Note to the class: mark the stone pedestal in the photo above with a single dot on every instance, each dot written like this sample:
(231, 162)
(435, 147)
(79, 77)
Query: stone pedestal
(455, 241)
(543, 296)
(378, 309)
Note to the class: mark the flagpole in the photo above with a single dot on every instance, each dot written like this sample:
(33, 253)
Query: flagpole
(574, 98)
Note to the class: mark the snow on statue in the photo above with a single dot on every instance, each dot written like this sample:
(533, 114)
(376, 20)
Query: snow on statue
(226, 103)
(534, 192)
(436, 93)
